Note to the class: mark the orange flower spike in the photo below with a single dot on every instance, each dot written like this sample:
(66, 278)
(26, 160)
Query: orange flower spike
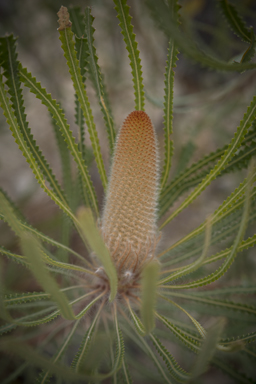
(129, 216)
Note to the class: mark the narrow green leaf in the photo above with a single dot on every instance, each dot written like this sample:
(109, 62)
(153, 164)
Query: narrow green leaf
(9, 62)
(7, 210)
(65, 165)
(126, 374)
(168, 110)
(240, 290)
(58, 115)
(14, 299)
(238, 240)
(12, 121)
(131, 45)
(149, 286)
(54, 313)
(195, 173)
(250, 51)
(197, 263)
(77, 20)
(119, 355)
(173, 367)
(156, 362)
(168, 104)
(32, 251)
(198, 326)
(68, 46)
(97, 245)
(183, 336)
(97, 79)
(13, 256)
(243, 339)
(136, 321)
(231, 204)
(207, 350)
(68, 266)
(20, 298)
(4, 314)
(245, 244)
(244, 308)
(45, 375)
(83, 349)
(227, 156)
(235, 21)
(41, 236)
(82, 57)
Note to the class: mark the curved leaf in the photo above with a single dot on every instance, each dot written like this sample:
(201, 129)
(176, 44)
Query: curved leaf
(133, 53)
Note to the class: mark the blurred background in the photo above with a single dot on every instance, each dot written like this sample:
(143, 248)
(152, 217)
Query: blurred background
(208, 105)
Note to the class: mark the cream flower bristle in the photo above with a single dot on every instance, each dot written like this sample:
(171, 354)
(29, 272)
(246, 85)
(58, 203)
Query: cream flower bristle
(129, 216)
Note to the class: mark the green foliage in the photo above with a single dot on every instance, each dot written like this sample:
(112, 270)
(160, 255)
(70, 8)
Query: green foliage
(133, 53)
(77, 295)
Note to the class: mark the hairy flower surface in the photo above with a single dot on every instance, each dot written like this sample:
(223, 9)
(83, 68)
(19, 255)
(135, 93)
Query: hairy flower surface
(129, 217)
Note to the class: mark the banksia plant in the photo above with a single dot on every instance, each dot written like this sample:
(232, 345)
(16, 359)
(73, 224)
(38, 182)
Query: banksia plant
(100, 310)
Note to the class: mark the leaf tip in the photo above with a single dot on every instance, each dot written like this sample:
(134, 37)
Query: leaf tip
(63, 21)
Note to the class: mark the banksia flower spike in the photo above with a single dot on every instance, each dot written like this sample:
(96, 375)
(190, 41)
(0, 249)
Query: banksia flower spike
(129, 216)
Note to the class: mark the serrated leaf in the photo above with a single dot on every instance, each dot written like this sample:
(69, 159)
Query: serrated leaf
(131, 45)
(244, 308)
(239, 238)
(229, 210)
(58, 115)
(14, 299)
(197, 325)
(65, 165)
(77, 21)
(13, 256)
(136, 321)
(81, 354)
(68, 46)
(168, 109)
(20, 298)
(194, 174)
(97, 79)
(221, 164)
(168, 101)
(194, 345)
(149, 351)
(10, 64)
(235, 21)
(245, 244)
(126, 374)
(11, 120)
(173, 367)
(250, 52)
(242, 339)
(41, 236)
(197, 263)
